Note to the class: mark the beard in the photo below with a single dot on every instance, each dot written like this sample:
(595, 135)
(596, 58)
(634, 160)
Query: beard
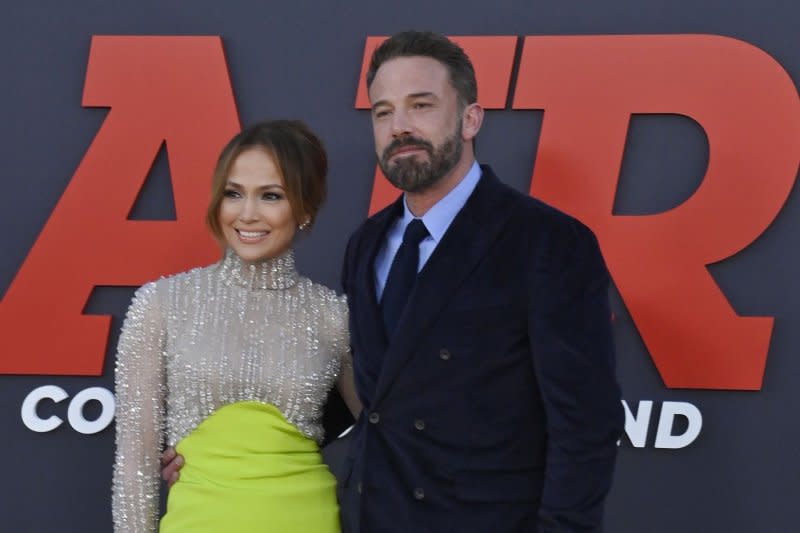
(412, 175)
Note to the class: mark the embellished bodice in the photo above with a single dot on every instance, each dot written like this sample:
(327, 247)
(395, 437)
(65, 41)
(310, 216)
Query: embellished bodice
(212, 336)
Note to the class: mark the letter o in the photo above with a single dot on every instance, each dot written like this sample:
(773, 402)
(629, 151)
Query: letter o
(75, 411)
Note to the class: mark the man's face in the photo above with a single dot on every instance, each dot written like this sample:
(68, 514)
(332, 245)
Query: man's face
(416, 121)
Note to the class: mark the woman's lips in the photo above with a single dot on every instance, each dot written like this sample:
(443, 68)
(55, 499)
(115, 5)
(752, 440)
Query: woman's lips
(250, 237)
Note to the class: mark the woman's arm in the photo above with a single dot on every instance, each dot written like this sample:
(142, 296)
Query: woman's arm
(347, 385)
(139, 414)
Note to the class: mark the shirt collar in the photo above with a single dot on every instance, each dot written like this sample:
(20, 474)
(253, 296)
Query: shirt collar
(438, 218)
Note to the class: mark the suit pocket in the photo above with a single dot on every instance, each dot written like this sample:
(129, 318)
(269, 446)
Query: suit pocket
(518, 485)
(336, 455)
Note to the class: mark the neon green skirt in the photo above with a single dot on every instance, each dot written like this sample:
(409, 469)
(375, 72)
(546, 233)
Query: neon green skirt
(249, 470)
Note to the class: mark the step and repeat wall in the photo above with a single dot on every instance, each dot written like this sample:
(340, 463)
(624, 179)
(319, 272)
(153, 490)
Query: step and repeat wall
(671, 128)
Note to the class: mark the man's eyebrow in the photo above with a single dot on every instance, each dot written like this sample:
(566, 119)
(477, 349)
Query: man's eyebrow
(424, 94)
(421, 94)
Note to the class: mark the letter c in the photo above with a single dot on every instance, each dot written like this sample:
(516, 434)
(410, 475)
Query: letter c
(31, 418)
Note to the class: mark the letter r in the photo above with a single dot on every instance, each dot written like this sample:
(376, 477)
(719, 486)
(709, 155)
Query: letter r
(747, 104)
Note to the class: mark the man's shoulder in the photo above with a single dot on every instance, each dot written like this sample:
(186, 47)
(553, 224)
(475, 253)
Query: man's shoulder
(550, 215)
(374, 222)
(532, 212)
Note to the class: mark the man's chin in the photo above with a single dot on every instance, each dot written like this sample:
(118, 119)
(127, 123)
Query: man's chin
(410, 184)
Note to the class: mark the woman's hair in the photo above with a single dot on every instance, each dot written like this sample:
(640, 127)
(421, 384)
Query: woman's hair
(299, 156)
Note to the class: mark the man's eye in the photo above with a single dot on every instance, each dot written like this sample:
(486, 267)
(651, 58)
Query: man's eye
(421, 105)
(381, 114)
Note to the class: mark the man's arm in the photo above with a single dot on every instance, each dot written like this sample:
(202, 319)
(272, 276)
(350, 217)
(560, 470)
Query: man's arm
(171, 464)
(573, 354)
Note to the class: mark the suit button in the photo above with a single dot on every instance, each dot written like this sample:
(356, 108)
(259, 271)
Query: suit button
(444, 354)
(374, 418)
(419, 424)
(419, 494)
(359, 487)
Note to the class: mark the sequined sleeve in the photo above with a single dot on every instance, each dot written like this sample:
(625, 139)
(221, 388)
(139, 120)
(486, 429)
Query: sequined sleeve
(340, 330)
(341, 346)
(139, 415)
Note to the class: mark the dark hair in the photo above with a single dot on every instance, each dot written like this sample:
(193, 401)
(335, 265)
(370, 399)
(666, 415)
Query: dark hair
(299, 156)
(433, 45)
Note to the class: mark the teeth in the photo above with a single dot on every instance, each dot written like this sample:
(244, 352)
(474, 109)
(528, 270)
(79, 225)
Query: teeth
(252, 234)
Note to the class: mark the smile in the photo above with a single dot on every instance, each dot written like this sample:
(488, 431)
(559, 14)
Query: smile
(251, 236)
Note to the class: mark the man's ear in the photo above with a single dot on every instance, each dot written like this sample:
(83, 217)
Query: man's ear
(472, 119)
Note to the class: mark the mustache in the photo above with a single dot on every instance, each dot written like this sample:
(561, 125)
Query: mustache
(407, 141)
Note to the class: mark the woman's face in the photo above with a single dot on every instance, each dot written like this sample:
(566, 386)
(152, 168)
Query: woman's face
(255, 215)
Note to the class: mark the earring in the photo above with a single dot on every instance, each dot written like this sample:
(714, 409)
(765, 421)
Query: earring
(304, 224)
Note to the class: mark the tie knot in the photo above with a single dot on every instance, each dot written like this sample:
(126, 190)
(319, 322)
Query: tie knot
(415, 232)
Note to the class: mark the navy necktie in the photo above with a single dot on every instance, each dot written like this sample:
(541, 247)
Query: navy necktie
(402, 275)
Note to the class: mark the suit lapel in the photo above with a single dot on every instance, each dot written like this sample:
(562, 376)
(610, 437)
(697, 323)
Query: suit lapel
(370, 331)
(464, 244)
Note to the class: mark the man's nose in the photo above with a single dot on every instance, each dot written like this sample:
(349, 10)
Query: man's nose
(401, 125)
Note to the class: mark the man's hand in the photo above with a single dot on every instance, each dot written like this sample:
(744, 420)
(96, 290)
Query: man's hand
(171, 463)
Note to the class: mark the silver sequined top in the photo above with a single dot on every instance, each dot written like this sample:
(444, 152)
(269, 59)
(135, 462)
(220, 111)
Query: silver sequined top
(199, 340)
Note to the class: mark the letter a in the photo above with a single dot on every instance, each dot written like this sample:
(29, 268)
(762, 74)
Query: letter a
(173, 89)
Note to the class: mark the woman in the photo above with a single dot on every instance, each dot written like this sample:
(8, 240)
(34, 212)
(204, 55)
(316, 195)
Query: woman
(232, 363)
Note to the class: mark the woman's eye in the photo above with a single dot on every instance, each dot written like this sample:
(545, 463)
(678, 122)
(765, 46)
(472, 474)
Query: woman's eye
(271, 196)
(231, 193)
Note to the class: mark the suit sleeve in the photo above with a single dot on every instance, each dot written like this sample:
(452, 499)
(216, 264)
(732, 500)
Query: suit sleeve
(573, 352)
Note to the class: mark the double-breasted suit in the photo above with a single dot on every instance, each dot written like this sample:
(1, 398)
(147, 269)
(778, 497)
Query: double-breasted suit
(495, 407)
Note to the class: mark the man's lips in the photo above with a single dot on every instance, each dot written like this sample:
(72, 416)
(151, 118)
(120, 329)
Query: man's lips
(407, 149)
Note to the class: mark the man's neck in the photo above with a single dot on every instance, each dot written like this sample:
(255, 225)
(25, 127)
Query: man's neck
(420, 203)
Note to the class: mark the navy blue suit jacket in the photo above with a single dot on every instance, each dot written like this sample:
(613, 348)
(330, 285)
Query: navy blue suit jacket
(496, 407)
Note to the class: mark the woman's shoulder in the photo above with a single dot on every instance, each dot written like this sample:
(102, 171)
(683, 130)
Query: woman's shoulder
(190, 276)
(325, 293)
(157, 290)
(332, 313)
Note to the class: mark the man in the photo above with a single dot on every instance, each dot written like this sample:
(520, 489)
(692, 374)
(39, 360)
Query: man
(490, 400)
(487, 372)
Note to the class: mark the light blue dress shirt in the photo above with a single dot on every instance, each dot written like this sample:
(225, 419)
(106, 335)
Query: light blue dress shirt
(436, 220)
